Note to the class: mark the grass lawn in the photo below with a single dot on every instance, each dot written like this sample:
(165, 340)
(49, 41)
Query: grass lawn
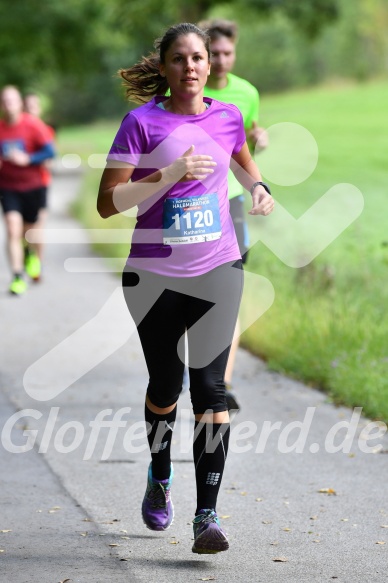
(327, 325)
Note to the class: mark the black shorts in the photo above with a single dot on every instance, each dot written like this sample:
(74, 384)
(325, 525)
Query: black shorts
(237, 212)
(28, 203)
(164, 308)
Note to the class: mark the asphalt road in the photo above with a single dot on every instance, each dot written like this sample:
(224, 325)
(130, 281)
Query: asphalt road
(71, 488)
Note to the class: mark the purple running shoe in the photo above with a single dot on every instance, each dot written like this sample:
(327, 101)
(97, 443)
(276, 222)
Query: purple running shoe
(157, 509)
(209, 538)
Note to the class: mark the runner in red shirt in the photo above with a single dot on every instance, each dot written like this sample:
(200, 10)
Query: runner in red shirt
(24, 145)
(33, 106)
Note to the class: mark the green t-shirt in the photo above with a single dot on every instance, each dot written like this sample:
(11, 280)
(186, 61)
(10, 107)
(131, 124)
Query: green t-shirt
(246, 97)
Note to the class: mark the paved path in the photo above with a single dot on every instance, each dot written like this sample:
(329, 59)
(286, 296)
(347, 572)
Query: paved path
(69, 506)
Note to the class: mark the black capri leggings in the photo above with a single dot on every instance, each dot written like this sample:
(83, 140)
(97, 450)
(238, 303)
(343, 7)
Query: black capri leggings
(164, 308)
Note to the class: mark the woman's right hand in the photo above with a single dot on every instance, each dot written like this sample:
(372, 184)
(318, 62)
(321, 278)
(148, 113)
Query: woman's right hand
(189, 167)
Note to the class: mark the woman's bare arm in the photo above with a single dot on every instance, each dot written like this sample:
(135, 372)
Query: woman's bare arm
(116, 194)
(247, 173)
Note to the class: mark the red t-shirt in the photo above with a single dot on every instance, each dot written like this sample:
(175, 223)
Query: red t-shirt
(29, 134)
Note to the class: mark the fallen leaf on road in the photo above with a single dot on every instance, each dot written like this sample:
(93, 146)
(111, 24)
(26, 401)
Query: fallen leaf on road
(174, 542)
(83, 534)
(280, 559)
(65, 580)
(87, 520)
(275, 542)
(125, 559)
(259, 499)
(380, 542)
(329, 491)
(266, 522)
(8, 530)
(286, 529)
(207, 578)
(2, 551)
(344, 519)
(114, 545)
(224, 516)
(313, 517)
(125, 537)
(384, 526)
(243, 493)
(316, 541)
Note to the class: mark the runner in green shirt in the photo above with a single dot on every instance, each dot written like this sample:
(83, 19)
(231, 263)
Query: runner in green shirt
(224, 86)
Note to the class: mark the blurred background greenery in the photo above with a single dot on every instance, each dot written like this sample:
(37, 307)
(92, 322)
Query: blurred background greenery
(322, 64)
(70, 50)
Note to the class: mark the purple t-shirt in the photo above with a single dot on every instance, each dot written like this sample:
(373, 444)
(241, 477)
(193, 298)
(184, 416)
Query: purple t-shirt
(184, 230)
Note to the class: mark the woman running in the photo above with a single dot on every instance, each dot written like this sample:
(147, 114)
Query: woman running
(170, 158)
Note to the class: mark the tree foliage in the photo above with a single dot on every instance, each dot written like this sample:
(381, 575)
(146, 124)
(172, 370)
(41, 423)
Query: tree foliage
(72, 37)
(309, 16)
(71, 49)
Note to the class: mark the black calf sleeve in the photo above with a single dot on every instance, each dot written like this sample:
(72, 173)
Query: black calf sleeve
(159, 433)
(210, 449)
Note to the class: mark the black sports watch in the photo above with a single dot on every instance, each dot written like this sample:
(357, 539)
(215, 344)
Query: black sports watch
(263, 184)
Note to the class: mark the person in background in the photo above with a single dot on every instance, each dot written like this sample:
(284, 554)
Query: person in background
(170, 158)
(25, 145)
(224, 86)
(32, 261)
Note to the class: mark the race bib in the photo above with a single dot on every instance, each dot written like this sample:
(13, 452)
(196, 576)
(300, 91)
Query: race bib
(191, 220)
(8, 145)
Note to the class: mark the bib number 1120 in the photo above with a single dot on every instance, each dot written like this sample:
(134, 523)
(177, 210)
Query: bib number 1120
(199, 218)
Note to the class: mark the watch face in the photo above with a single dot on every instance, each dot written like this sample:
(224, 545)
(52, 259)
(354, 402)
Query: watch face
(263, 184)
(267, 188)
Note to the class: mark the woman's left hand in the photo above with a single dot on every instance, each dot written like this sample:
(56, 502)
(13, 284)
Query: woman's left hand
(262, 202)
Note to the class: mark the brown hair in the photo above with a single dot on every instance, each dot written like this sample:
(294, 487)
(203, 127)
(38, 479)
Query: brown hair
(143, 80)
(218, 27)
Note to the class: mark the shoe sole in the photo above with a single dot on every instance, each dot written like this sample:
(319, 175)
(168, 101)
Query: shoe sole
(15, 293)
(210, 542)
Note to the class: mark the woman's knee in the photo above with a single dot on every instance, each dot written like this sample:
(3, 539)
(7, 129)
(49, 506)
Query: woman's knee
(208, 396)
(163, 397)
(159, 410)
